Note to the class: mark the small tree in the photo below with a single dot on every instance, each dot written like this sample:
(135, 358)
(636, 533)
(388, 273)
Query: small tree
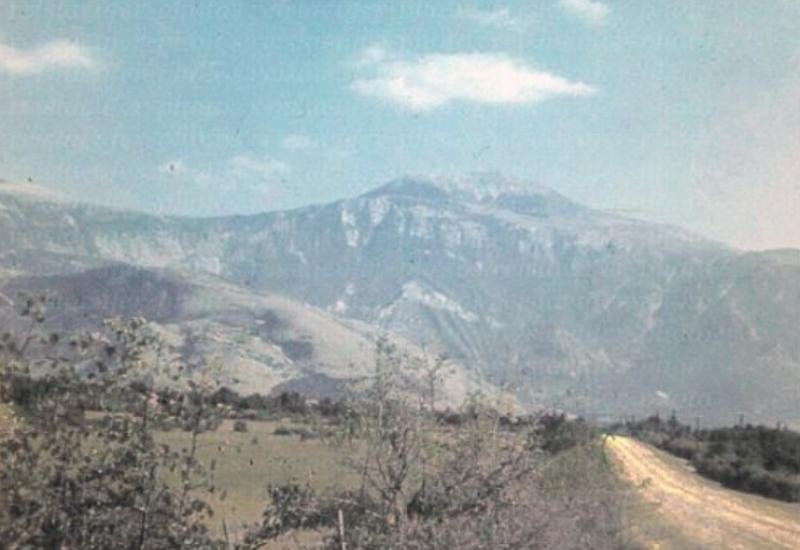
(426, 484)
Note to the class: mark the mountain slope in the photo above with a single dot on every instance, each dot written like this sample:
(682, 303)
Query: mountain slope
(572, 307)
(263, 342)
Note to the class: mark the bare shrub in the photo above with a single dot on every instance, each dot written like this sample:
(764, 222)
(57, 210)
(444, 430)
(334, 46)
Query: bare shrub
(429, 483)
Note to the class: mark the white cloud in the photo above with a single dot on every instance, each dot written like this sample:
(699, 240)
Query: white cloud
(297, 142)
(500, 18)
(435, 80)
(248, 166)
(60, 54)
(241, 173)
(593, 12)
(372, 54)
(179, 171)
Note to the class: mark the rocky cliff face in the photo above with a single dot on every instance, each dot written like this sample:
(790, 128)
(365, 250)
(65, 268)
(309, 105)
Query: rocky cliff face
(570, 306)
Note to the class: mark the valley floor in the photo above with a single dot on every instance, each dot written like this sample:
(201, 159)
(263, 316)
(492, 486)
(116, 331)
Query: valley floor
(677, 509)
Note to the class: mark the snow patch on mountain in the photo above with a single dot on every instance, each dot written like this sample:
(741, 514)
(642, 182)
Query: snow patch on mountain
(485, 187)
(351, 232)
(378, 208)
(415, 292)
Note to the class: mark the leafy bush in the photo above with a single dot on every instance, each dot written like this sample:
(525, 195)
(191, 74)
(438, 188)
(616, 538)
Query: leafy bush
(70, 483)
(556, 433)
(291, 507)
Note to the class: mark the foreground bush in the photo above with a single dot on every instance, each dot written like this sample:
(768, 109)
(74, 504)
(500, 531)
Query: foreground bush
(430, 483)
(72, 480)
(69, 483)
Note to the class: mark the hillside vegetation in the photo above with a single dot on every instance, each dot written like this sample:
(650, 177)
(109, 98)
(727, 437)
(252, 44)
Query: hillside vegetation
(104, 457)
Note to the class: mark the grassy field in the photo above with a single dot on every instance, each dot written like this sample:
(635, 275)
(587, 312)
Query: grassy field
(246, 463)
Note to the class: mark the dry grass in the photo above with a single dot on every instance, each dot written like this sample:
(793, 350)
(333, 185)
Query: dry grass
(6, 415)
(246, 463)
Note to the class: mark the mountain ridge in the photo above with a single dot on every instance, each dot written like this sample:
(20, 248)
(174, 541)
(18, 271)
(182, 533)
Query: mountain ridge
(463, 188)
(573, 307)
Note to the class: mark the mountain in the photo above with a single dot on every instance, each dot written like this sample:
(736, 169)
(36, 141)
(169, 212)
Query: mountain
(569, 306)
(266, 343)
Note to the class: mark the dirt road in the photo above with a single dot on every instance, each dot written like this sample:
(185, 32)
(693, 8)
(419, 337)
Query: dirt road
(704, 513)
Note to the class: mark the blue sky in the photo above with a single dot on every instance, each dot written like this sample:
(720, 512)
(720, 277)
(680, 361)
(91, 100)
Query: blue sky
(675, 111)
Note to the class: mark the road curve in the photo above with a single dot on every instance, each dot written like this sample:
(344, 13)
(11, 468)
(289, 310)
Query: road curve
(704, 512)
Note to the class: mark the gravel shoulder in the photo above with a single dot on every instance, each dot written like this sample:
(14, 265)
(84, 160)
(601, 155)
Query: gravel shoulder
(702, 511)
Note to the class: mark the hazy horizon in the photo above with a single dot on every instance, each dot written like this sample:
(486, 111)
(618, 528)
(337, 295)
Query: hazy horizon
(675, 113)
